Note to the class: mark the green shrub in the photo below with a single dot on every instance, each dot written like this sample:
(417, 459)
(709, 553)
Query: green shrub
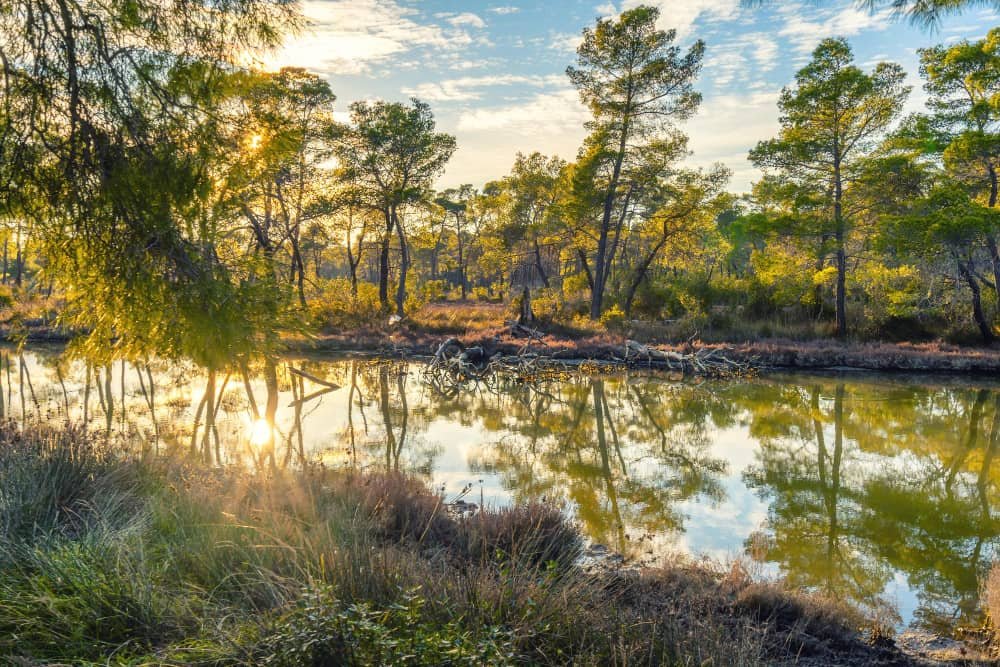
(6, 296)
(547, 304)
(322, 630)
(480, 293)
(434, 290)
(890, 293)
(613, 319)
(335, 307)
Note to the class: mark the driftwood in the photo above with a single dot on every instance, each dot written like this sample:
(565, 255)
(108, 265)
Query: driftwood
(707, 362)
(454, 365)
(519, 330)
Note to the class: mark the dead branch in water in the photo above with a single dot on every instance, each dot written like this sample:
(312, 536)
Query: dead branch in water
(454, 365)
(711, 362)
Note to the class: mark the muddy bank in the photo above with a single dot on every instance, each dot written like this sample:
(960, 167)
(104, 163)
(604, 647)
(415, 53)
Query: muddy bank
(767, 355)
(773, 355)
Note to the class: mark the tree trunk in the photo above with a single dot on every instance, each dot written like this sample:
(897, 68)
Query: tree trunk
(586, 268)
(352, 265)
(840, 232)
(601, 261)
(526, 316)
(404, 266)
(299, 270)
(538, 264)
(991, 241)
(461, 259)
(18, 260)
(352, 261)
(383, 262)
(640, 274)
(977, 303)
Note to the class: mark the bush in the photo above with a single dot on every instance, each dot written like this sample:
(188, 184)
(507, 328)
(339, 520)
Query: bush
(6, 296)
(613, 319)
(322, 630)
(890, 294)
(434, 290)
(480, 293)
(58, 482)
(335, 307)
(531, 535)
(401, 508)
(547, 304)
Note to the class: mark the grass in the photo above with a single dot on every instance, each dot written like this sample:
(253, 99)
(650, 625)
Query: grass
(106, 559)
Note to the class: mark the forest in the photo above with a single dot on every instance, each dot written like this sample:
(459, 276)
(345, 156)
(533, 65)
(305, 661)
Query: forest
(179, 203)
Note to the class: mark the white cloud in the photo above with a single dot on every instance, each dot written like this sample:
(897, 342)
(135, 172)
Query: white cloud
(461, 64)
(742, 59)
(489, 137)
(805, 34)
(471, 87)
(728, 127)
(348, 36)
(544, 113)
(467, 18)
(682, 14)
(507, 9)
(566, 42)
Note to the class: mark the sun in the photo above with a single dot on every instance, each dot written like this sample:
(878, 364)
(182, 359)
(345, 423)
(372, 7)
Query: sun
(255, 141)
(261, 432)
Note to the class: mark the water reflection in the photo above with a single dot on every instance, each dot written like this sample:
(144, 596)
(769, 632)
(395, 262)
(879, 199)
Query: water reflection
(882, 492)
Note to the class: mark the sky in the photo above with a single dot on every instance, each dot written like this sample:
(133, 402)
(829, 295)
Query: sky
(494, 73)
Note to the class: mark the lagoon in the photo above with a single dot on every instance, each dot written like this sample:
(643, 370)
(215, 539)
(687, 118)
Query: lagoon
(882, 490)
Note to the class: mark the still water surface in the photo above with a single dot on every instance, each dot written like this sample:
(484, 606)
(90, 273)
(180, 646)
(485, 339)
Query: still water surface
(880, 490)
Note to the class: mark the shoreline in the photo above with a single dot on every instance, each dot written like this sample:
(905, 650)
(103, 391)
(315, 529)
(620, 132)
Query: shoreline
(773, 355)
(766, 356)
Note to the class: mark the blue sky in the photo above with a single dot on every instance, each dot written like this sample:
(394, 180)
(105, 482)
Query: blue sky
(494, 73)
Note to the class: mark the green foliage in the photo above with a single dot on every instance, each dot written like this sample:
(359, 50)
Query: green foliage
(787, 278)
(547, 304)
(322, 630)
(335, 307)
(6, 296)
(893, 293)
(830, 121)
(433, 290)
(480, 293)
(613, 319)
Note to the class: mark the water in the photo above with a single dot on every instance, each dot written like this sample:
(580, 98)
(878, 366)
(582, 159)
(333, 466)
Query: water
(879, 490)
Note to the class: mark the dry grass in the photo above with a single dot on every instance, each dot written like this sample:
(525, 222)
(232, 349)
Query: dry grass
(184, 565)
(459, 318)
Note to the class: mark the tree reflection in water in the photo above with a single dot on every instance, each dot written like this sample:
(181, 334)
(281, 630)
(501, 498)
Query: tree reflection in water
(870, 485)
(889, 480)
